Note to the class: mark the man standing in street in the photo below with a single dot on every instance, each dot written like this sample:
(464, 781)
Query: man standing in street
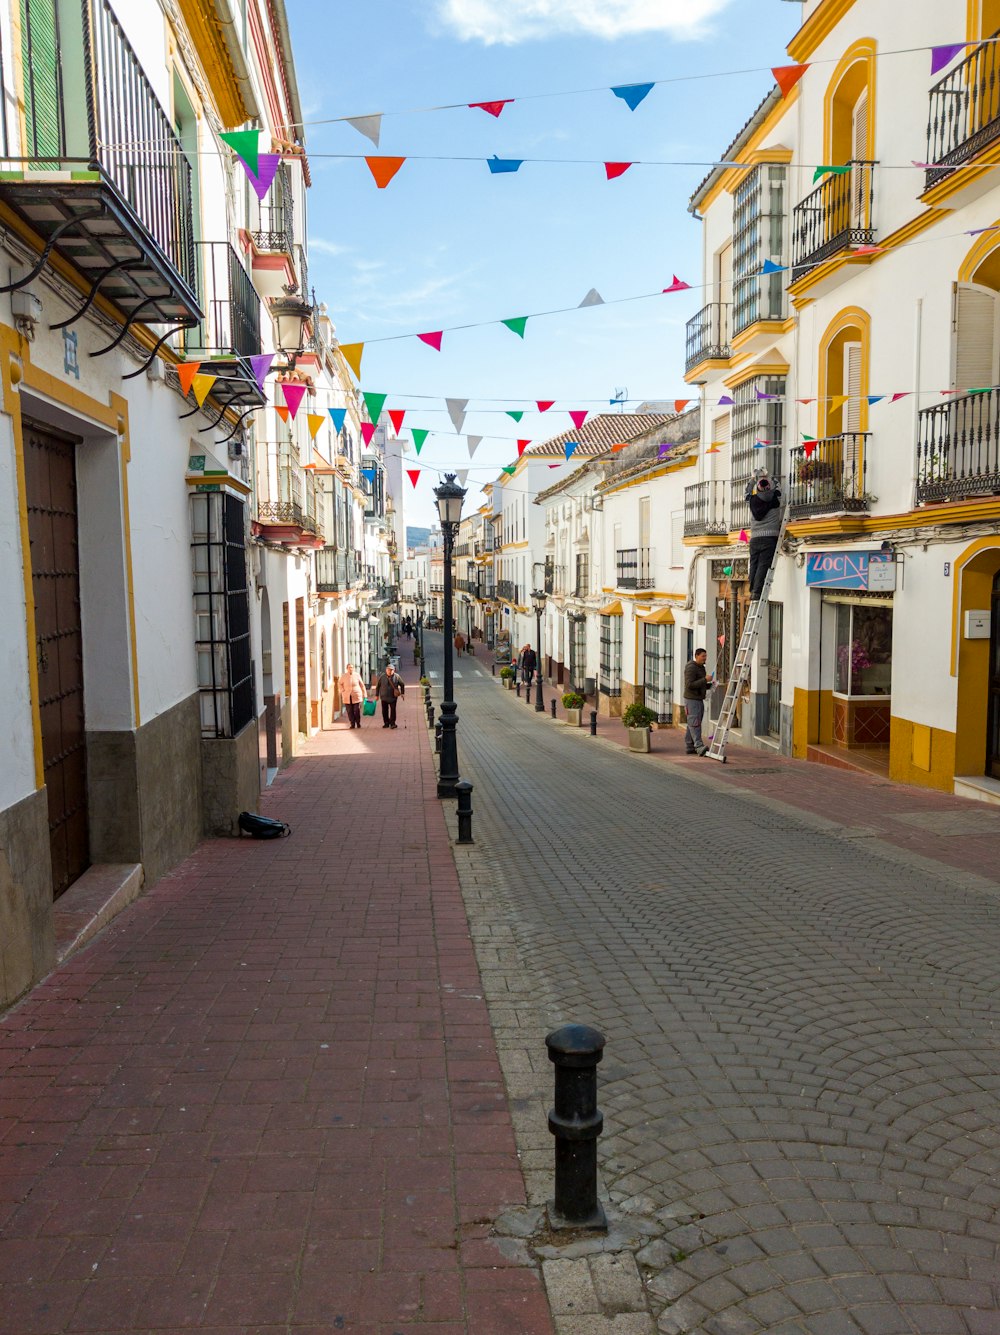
(529, 665)
(696, 684)
(765, 524)
(388, 689)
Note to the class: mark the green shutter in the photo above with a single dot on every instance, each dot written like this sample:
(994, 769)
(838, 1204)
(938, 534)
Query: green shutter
(42, 82)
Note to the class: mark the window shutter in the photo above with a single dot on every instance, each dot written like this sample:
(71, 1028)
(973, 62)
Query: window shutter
(975, 342)
(852, 387)
(860, 129)
(720, 436)
(42, 82)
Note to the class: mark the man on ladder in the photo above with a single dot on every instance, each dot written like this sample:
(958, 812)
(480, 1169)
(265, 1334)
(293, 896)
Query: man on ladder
(767, 528)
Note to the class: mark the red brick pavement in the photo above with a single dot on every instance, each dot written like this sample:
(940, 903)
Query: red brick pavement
(267, 1098)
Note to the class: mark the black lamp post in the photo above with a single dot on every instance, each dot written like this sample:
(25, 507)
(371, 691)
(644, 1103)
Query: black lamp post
(449, 496)
(420, 603)
(538, 603)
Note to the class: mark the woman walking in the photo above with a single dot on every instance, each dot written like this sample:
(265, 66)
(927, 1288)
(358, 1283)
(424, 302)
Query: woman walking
(353, 694)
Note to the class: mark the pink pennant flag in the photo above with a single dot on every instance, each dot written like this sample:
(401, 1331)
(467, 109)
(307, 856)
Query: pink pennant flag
(722, 640)
(578, 417)
(868, 250)
(743, 535)
(491, 108)
(293, 396)
(368, 430)
(432, 340)
(616, 169)
(678, 285)
(543, 405)
(413, 474)
(396, 416)
(267, 169)
(896, 397)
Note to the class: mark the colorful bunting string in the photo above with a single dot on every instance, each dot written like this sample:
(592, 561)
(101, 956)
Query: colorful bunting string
(419, 436)
(186, 372)
(202, 385)
(432, 340)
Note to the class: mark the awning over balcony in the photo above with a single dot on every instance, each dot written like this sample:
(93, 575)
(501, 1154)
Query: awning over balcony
(661, 617)
(613, 609)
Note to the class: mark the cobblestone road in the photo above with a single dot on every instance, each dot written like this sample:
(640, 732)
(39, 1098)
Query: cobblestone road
(802, 1074)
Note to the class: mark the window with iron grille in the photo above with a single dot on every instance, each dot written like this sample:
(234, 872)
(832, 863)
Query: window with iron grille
(578, 654)
(222, 613)
(610, 680)
(758, 235)
(582, 585)
(658, 670)
(758, 430)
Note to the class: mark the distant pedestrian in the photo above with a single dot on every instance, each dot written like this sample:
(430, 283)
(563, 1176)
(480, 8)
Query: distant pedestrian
(529, 665)
(459, 642)
(353, 694)
(765, 524)
(696, 684)
(389, 688)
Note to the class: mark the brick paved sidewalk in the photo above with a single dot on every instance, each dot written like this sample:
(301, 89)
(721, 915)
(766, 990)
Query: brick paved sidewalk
(954, 831)
(267, 1098)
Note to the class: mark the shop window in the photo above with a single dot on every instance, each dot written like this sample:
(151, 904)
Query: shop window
(864, 650)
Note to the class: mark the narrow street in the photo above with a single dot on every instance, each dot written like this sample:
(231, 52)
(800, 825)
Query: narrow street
(800, 1085)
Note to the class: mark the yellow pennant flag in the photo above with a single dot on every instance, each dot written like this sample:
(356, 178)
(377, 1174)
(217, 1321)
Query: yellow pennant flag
(202, 385)
(838, 401)
(315, 421)
(352, 355)
(716, 448)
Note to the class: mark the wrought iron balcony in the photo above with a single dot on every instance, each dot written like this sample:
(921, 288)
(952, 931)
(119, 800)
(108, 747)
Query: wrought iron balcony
(707, 334)
(484, 546)
(487, 590)
(964, 111)
(958, 448)
(705, 509)
(831, 477)
(837, 214)
(335, 570)
(508, 591)
(635, 568)
(104, 180)
(287, 514)
(230, 332)
(275, 233)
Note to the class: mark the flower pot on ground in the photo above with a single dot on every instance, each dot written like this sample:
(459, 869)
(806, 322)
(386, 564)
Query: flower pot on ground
(573, 703)
(639, 721)
(507, 677)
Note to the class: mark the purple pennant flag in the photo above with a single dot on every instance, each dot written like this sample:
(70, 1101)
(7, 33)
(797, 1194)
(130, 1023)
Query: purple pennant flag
(768, 398)
(725, 401)
(944, 55)
(260, 366)
(664, 449)
(267, 168)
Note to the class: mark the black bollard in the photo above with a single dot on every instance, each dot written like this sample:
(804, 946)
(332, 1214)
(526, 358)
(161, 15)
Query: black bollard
(430, 715)
(552, 702)
(437, 738)
(593, 723)
(576, 1122)
(494, 667)
(517, 687)
(463, 791)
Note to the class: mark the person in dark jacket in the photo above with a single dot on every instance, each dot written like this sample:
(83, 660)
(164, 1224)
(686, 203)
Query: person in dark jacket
(388, 689)
(529, 665)
(765, 524)
(696, 684)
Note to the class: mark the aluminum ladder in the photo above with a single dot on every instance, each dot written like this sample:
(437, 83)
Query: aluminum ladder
(741, 664)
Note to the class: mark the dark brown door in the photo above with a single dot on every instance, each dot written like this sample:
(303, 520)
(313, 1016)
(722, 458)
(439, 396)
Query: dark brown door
(993, 736)
(50, 475)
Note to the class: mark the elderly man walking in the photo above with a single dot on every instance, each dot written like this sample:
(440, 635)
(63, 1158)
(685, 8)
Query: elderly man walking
(389, 687)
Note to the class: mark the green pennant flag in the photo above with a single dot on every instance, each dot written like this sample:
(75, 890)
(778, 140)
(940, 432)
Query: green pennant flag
(246, 145)
(516, 416)
(805, 437)
(727, 570)
(516, 326)
(419, 436)
(832, 171)
(985, 389)
(510, 469)
(375, 403)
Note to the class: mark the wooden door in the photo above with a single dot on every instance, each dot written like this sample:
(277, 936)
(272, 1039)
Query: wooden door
(50, 477)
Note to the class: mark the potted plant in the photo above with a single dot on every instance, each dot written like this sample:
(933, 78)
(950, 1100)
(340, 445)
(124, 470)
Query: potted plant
(573, 703)
(507, 677)
(639, 720)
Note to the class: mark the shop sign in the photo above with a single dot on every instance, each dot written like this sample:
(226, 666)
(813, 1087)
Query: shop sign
(872, 571)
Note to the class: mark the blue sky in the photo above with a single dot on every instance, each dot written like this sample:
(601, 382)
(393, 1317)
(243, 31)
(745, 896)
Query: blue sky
(447, 243)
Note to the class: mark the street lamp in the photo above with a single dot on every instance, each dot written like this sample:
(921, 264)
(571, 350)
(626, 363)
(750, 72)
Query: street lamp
(420, 602)
(290, 314)
(449, 496)
(538, 603)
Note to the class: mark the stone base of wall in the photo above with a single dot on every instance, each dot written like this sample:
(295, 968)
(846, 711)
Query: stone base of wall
(609, 706)
(631, 695)
(230, 780)
(27, 936)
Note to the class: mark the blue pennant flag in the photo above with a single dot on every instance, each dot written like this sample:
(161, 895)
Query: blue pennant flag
(571, 445)
(369, 473)
(875, 398)
(633, 93)
(498, 165)
(337, 416)
(769, 266)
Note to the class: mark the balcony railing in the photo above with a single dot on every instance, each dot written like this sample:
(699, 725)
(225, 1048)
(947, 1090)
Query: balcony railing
(231, 327)
(831, 478)
(507, 590)
(484, 546)
(335, 570)
(707, 334)
(635, 568)
(288, 513)
(705, 508)
(964, 111)
(958, 448)
(487, 591)
(839, 213)
(275, 232)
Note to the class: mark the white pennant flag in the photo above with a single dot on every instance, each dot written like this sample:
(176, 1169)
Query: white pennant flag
(369, 126)
(473, 444)
(593, 298)
(456, 411)
(463, 476)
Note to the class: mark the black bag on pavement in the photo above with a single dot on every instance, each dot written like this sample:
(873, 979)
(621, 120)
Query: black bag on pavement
(262, 827)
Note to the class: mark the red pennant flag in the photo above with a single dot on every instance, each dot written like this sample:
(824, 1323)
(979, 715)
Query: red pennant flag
(808, 448)
(384, 169)
(186, 372)
(680, 405)
(492, 108)
(787, 76)
(432, 340)
(616, 169)
(807, 401)
(868, 250)
(522, 445)
(896, 397)
(677, 285)
(413, 474)
(543, 405)
(578, 417)
(396, 416)
(368, 430)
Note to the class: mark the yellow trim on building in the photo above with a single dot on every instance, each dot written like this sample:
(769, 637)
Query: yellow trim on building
(986, 510)
(851, 317)
(817, 28)
(759, 329)
(708, 540)
(922, 755)
(702, 368)
(663, 616)
(862, 52)
(643, 478)
(612, 609)
(981, 250)
(754, 369)
(206, 34)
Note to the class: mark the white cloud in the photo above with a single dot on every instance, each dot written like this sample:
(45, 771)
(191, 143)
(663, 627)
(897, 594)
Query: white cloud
(327, 247)
(508, 21)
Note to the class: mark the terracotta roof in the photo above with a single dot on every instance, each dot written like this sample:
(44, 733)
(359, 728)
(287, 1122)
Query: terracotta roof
(599, 434)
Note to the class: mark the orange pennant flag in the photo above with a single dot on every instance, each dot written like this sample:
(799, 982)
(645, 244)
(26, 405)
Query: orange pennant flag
(352, 356)
(315, 421)
(384, 169)
(616, 448)
(680, 405)
(787, 76)
(282, 411)
(186, 372)
(202, 384)
(714, 449)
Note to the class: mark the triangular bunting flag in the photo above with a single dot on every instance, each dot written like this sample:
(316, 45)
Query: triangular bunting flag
(516, 416)
(414, 475)
(875, 398)
(677, 285)
(202, 384)
(543, 405)
(368, 430)
(500, 165)
(510, 469)
(456, 411)
(396, 416)
(553, 465)
(369, 474)
(769, 266)
(315, 421)
(432, 340)
(375, 403)
(262, 179)
(787, 76)
(571, 445)
(337, 417)
(578, 417)
(593, 298)
(806, 436)
(491, 108)
(983, 389)
(665, 448)
(517, 325)
(805, 401)
(259, 366)
(616, 169)
(351, 353)
(620, 446)
(944, 55)
(680, 405)
(384, 169)
(473, 444)
(522, 445)
(186, 372)
(829, 170)
(246, 145)
(293, 396)
(282, 412)
(419, 436)
(808, 449)
(743, 535)
(725, 401)
(896, 397)
(716, 448)
(369, 126)
(633, 93)
(463, 476)
(868, 250)
(766, 398)
(837, 401)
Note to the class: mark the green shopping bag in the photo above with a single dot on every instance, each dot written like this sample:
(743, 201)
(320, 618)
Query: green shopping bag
(368, 707)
